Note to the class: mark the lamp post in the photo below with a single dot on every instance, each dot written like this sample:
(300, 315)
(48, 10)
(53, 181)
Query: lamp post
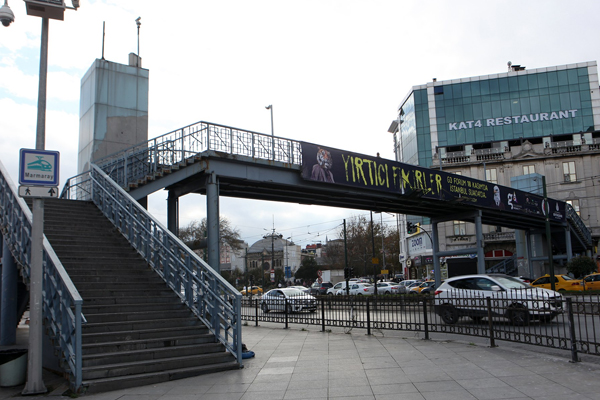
(270, 107)
(35, 383)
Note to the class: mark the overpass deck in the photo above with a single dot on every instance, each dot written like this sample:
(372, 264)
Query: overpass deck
(256, 166)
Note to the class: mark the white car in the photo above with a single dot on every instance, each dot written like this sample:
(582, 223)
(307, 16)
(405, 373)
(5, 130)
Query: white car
(287, 299)
(302, 288)
(511, 298)
(362, 289)
(388, 288)
(338, 288)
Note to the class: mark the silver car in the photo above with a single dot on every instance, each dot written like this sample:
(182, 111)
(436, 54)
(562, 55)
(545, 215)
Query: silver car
(288, 300)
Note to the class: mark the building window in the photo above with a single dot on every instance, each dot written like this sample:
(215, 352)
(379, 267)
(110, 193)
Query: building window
(569, 171)
(491, 175)
(528, 169)
(460, 228)
(575, 205)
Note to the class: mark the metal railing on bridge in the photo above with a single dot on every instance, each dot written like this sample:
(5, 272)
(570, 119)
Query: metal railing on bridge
(61, 303)
(176, 148)
(214, 301)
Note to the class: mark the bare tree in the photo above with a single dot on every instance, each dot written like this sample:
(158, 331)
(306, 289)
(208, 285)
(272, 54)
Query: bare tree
(194, 234)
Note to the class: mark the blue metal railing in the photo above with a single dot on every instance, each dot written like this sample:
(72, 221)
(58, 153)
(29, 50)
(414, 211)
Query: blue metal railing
(214, 301)
(62, 303)
(166, 151)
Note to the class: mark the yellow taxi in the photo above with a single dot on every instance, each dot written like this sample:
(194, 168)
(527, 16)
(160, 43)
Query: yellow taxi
(419, 288)
(562, 283)
(254, 290)
(592, 281)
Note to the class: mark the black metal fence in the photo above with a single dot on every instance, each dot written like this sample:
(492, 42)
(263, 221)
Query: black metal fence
(571, 324)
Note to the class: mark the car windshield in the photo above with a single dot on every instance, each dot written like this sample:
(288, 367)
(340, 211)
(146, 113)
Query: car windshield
(511, 283)
(292, 292)
(566, 277)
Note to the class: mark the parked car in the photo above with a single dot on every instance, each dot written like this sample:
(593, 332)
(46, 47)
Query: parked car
(302, 288)
(561, 283)
(318, 289)
(388, 288)
(422, 287)
(254, 290)
(403, 286)
(290, 299)
(362, 289)
(592, 281)
(519, 302)
(340, 286)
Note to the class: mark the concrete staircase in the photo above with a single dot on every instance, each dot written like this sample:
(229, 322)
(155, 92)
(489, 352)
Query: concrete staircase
(138, 332)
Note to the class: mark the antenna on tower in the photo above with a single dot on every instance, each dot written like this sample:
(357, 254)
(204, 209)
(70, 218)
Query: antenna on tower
(138, 23)
(103, 36)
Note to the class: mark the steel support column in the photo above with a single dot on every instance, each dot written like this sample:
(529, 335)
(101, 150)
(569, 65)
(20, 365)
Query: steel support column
(212, 222)
(568, 244)
(435, 249)
(479, 244)
(173, 213)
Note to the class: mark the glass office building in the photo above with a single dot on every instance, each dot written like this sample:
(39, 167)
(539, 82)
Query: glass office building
(509, 129)
(439, 119)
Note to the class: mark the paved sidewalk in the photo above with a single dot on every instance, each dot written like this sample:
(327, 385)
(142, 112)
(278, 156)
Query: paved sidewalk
(303, 363)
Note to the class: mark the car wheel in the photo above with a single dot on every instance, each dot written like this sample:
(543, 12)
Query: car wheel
(387, 292)
(288, 309)
(561, 290)
(476, 319)
(264, 307)
(449, 314)
(518, 315)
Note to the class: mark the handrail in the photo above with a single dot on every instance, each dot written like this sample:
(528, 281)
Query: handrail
(573, 217)
(62, 304)
(165, 151)
(214, 301)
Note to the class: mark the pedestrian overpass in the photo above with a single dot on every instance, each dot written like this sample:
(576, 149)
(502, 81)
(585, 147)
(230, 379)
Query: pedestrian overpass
(216, 160)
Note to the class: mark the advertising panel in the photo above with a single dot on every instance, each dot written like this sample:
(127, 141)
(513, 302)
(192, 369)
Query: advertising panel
(339, 167)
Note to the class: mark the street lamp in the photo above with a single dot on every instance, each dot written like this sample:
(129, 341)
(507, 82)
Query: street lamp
(47, 10)
(270, 107)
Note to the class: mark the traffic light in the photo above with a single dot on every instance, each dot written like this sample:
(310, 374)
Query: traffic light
(351, 272)
(346, 273)
(410, 227)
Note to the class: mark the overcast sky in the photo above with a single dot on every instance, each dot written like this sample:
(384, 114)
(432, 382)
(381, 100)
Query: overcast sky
(335, 72)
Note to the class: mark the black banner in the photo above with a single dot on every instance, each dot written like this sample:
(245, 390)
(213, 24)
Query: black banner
(334, 166)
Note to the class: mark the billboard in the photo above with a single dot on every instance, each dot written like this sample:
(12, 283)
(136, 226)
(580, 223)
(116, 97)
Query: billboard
(339, 167)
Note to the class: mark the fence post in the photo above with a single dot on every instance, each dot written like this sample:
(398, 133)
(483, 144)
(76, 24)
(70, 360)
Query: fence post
(255, 308)
(322, 315)
(574, 357)
(425, 321)
(368, 317)
(490, 322)
(286, 313)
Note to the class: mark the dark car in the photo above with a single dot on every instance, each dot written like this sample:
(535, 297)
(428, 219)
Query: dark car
(318, 289)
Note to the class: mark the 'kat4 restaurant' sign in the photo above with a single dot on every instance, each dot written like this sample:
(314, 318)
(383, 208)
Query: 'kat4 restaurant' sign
(334, 166)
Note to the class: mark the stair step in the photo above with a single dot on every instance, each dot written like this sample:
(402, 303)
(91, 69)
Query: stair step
(173, 305)
(151, 343)
(153, 315)
(124, 382)
(124, 300)
(151, 354)
(147, 366)
(142, 334)
(174, 323)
